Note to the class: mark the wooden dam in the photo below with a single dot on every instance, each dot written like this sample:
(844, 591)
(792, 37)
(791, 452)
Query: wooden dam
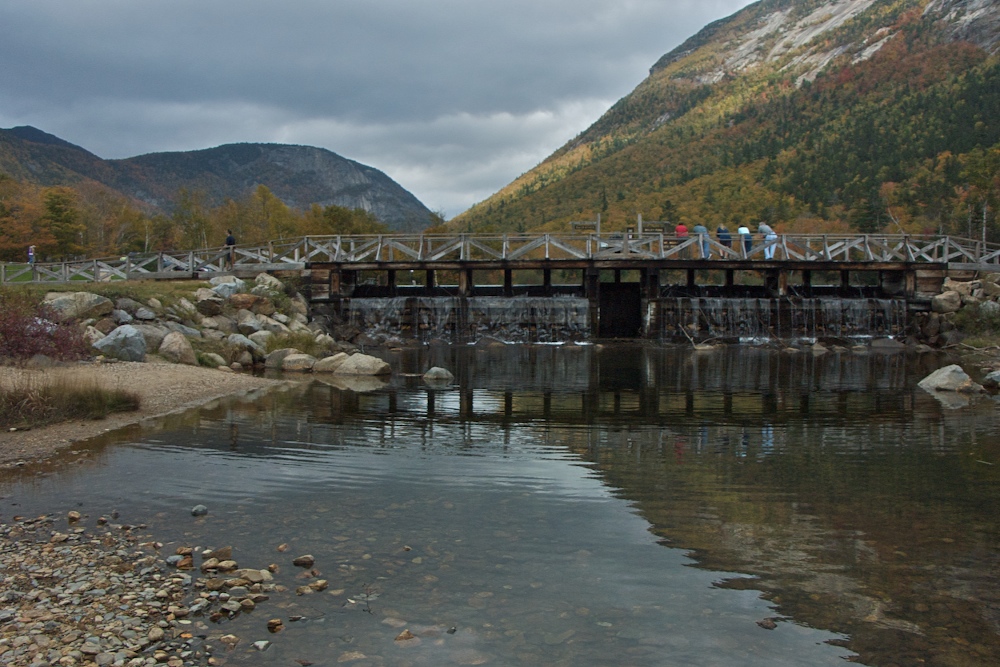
(545, 287)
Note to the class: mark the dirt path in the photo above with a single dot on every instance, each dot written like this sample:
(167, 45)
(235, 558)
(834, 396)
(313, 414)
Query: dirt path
(162, 388)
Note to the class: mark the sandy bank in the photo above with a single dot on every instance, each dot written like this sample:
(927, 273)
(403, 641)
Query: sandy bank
(162, 388)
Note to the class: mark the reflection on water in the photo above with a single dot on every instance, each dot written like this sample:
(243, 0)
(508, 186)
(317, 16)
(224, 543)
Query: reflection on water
(588, 506)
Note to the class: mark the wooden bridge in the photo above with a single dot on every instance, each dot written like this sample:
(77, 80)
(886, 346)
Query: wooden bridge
(468, 252)
(628, 284)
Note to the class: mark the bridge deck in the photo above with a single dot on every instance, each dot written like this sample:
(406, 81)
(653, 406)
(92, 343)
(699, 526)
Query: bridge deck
(547, 251)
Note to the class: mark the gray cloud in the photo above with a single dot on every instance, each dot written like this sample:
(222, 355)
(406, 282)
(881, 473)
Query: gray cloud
(452, 98)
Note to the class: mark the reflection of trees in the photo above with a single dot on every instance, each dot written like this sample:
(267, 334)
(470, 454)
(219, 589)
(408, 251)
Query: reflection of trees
(879, 530)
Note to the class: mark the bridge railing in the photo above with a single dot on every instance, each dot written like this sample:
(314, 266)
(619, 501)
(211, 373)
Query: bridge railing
(294, 254)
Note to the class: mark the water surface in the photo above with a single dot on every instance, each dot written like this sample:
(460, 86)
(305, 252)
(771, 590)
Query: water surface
(586, 506)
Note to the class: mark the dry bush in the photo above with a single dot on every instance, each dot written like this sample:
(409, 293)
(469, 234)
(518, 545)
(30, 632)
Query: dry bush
(37, 401)
(28, 328)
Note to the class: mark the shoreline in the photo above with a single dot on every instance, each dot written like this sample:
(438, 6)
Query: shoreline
(163, 388)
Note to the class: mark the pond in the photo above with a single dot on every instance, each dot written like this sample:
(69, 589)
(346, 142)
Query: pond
(584, 505)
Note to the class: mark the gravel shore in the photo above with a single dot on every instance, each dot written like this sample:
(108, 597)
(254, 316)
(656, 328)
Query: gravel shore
(102, 595)
(162, 388)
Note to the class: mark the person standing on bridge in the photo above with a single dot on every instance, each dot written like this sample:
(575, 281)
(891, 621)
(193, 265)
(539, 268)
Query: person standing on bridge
(702, 232)
(770, 239)
(744, 233)
(31, 256)
(230, 249)
(724, 237)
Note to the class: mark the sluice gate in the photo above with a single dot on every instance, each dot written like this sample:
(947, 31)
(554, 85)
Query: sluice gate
(697, 303)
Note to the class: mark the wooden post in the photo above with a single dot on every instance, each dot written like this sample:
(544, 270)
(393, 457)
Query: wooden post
(430, 279)
(730, 278)
(547, 282)
(508, 282)
(592, 278)
(690, 279)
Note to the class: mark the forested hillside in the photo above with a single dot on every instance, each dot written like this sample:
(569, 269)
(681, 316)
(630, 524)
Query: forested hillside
(89, 220)
(848, 115)
(70, 202)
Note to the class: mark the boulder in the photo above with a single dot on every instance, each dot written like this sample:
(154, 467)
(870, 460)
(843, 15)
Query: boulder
(263, 306)
(276, 359)
(261, 337)
(145, 314)
(92, 335)
(190, 332)
(274, 326)
(992, 380)
(326, 340)
(105, 325)
(127, 304)
(226, 286)
(269, 281)
(299, 305)
(153, 334)
(962, 287)
(155, 304)
(329, 364)
(214, 360)
(363, 364)
(121, 317)
(946, 302)
(888, 345)
(243, 344)
(125, 343)
(244, 301)
(207, 302)
(438, 375)
(185, 307)
(989, 309)
(247, 323)
(298, 363)
(950, 378)
(177, 348)
(297, 327)
(77, 305)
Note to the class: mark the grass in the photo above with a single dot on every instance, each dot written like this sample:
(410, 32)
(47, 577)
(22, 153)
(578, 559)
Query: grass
(31, 402)
(302, 341)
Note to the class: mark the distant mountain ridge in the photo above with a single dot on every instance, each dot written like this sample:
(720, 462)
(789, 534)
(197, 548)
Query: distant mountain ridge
(805, 113)
(298, 175)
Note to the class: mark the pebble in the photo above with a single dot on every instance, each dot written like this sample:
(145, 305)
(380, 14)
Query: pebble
(102, 596)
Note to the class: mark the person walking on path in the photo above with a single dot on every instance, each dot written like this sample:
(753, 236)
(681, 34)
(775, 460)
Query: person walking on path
(744, 233)
(702, 232)
(770, 239)
(230, 248)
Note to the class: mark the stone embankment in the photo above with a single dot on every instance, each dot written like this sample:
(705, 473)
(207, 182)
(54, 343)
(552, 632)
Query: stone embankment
(938, 328)
(231, 325)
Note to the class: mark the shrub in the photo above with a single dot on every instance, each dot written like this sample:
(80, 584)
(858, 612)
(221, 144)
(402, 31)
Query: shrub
(30, 402)
(28, 328)
(302, 341)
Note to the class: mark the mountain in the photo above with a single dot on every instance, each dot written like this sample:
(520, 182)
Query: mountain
(298, 175)
(810, 114)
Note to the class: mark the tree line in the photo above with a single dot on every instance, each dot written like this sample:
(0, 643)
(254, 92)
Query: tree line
(87, 220)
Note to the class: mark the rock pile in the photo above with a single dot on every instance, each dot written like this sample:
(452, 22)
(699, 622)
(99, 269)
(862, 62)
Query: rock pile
(938, 327)
(232, 324)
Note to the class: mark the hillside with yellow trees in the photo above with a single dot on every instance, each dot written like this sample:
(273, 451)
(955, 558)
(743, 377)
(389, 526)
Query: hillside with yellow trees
(70, 203)
(811, 115)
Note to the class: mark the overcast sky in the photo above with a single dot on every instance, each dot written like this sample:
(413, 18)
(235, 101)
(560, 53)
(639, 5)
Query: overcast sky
(453, 99)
